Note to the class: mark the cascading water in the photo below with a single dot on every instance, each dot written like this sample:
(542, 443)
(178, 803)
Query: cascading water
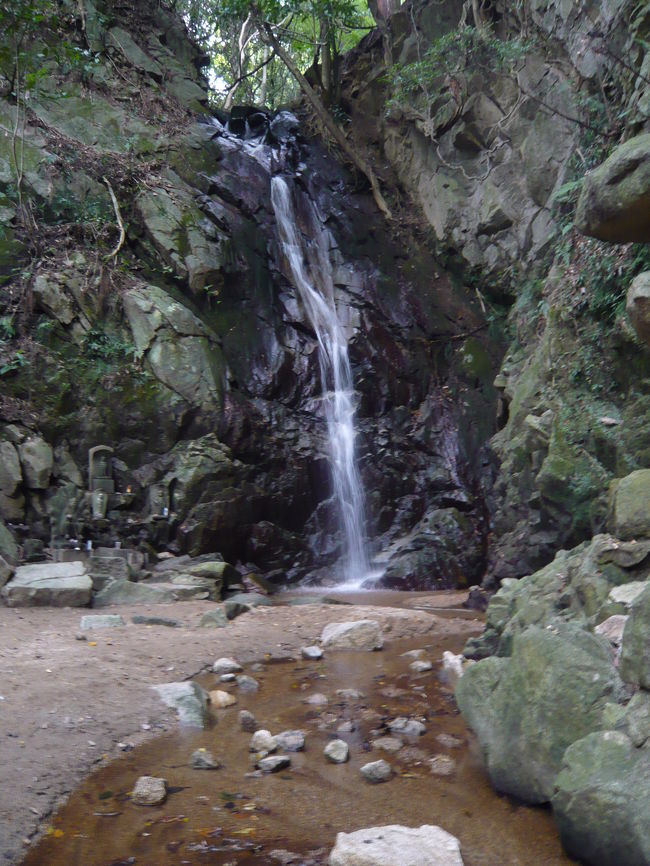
(311, 270)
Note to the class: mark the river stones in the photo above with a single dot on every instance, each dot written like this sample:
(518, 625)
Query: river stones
(246, 683)
(420, 666)
(393, 845)
(263, 741)
(311, 653)
(442, 765)
(226, 665)
(407, 727)
(274, 763)
(247, 721)
(388, 744)
(337, 751)
(220, 699)
(291, 741)
(364, 634)
(377, 771)
(214, 619)
(202, 759)
(149, 791)
(188, 699)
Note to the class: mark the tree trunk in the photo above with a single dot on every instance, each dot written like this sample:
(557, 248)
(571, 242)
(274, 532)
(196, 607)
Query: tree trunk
(267, 35)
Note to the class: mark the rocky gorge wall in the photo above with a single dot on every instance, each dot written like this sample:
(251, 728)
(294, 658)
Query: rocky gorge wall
(186, 351)
(490, 136)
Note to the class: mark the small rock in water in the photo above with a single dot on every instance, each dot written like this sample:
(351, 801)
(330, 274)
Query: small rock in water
(247, 684)
(337, 751)
(377, 771)
(149, 791)
(247, 722)
(189, 699)
(291, 741)
(388, 744)
(263, 741)
(449, 741)
(226, 666)
(317, 700)
(258, 668)
(204, 760)
(393, 845)
(221, 699)
(274, 763)
(350, 694)
(312, 653)
(106, 620)
(346, 727)
(442, 765)
(407, 727)
(420, 666)
(413, 654)
(227, 678)
(452, 668)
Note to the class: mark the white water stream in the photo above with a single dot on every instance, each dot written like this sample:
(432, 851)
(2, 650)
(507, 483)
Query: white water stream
(311, 270)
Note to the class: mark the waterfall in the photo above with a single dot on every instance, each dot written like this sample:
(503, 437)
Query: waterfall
(311, 271)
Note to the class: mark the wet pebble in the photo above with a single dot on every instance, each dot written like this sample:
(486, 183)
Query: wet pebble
(407, 727)
(274, 763)
(337, 751)
(312, 653)
(263, 741)
(317, 700)
(202, 759)
(413, 654)
(346, 727)
(388, 744)
(220, 699)
(420, 666)
(226, 666)
(442, 765)
(291, 741)
(227, 678)
(247, 684)
(247, 722)
(350, 694)
(377, 771)
(149, 791)
(449, 741)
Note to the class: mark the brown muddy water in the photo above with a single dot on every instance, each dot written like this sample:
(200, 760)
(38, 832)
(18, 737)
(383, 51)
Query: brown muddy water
(228, 817)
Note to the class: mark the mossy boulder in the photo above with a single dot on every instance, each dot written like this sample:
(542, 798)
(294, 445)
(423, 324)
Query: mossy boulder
(601, 800)
(637, 306)
(635, 653)
(631, 512)
(527, 709)
(614, 204)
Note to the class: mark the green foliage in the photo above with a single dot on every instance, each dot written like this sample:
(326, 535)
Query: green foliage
(309, 30)
(466, 50)
(7, 328)
(16, 362)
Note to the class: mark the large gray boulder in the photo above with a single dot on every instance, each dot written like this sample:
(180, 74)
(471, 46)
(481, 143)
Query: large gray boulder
(127, 592)
(394, 845)
(37, 461)
(527, 709)
(362, 634)
(10, 472)
(6, 571)
(631, 518)
(55, 584)
(601, 801)
(635, 652)
(614, 204)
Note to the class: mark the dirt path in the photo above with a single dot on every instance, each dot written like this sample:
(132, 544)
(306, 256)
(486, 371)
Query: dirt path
(66, 703)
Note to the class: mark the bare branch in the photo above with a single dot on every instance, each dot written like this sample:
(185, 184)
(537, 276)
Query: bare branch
(118, 217)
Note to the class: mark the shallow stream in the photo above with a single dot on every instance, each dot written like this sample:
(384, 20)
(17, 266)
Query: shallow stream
(227, 817)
